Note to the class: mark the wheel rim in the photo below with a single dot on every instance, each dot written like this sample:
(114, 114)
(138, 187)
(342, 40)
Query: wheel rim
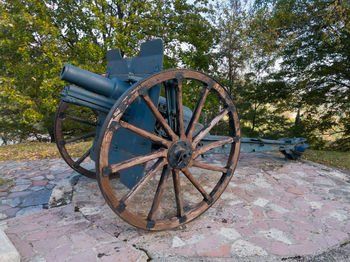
(61, 116)
(174, 157)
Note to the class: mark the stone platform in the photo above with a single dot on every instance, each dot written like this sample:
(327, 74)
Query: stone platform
(273, 210)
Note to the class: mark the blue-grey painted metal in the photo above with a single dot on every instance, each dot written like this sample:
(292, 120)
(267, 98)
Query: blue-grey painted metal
(93, 82)
(292, 148)
(82, 97)
(126, 144)
(100, 93)
(148, 62)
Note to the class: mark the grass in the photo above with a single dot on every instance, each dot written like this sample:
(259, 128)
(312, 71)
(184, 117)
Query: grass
(37, 150)
(329, 158)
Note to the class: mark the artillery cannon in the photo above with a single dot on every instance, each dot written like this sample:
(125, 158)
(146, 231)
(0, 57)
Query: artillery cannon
(143, 134)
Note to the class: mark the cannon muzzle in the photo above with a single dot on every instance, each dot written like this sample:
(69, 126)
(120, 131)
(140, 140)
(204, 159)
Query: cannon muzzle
(113, 88)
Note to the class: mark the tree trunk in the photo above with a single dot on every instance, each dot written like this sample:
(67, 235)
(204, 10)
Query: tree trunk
(254, 117)
(296, 123)
(52, 134)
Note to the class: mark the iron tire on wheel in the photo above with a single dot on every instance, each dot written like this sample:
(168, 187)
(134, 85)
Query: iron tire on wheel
(182, 142)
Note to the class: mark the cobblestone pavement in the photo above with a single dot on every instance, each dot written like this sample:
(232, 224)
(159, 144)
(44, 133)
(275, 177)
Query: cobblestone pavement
(272, 210)
(31, 185)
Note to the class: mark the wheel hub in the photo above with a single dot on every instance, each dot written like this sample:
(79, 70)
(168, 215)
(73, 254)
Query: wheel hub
(180, 154)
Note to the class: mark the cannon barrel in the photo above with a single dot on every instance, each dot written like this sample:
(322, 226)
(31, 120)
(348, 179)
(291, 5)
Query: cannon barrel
(95, 83)
(82, 97)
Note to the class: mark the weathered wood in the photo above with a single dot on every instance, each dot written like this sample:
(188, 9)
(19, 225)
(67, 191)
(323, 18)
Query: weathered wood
(144, 133)
(83, 121)
(205, 130)
(178, 194)
(212, 145)
(137, 160)
(183, 215)
(159, 193)
(82, 158)
(144, 180)
(62, 145)
(207, 166)
(197, 112)
(195, 182)
(71, 140)
(179, 109)
(159, 117)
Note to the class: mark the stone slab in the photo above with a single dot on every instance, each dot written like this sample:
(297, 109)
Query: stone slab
(40, 197)
(8, 252)
(30, 176)
(272, 210)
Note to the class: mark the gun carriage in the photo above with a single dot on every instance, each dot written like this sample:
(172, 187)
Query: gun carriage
(144, 136)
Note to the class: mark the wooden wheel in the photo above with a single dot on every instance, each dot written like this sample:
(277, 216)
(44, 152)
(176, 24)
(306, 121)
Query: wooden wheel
(70, 128)
(154, 203)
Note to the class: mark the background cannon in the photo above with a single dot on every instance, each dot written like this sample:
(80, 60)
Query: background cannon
(144, 134)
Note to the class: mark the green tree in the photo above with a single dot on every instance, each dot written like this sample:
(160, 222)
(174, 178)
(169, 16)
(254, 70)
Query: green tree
(233, 49)
(29, 83)
(312, 39)
(38, 37)
(242, 64)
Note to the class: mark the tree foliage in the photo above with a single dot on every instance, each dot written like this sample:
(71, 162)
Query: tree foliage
(294, 74)
(313, 42)
(38, 37)
(285, 62)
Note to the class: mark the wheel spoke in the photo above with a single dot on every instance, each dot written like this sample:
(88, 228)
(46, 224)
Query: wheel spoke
(175, 154)
(159, 117)
(212, 145)
(82, 158)
(197, 111)
(209, 167)
(144, 133)
(71, 140)
(178, 194)
(137, 160)
(195, 182)
(179, 109)
(159, 193)
(205, 130)
(77, 119)
(144, 180)
(62, 116)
